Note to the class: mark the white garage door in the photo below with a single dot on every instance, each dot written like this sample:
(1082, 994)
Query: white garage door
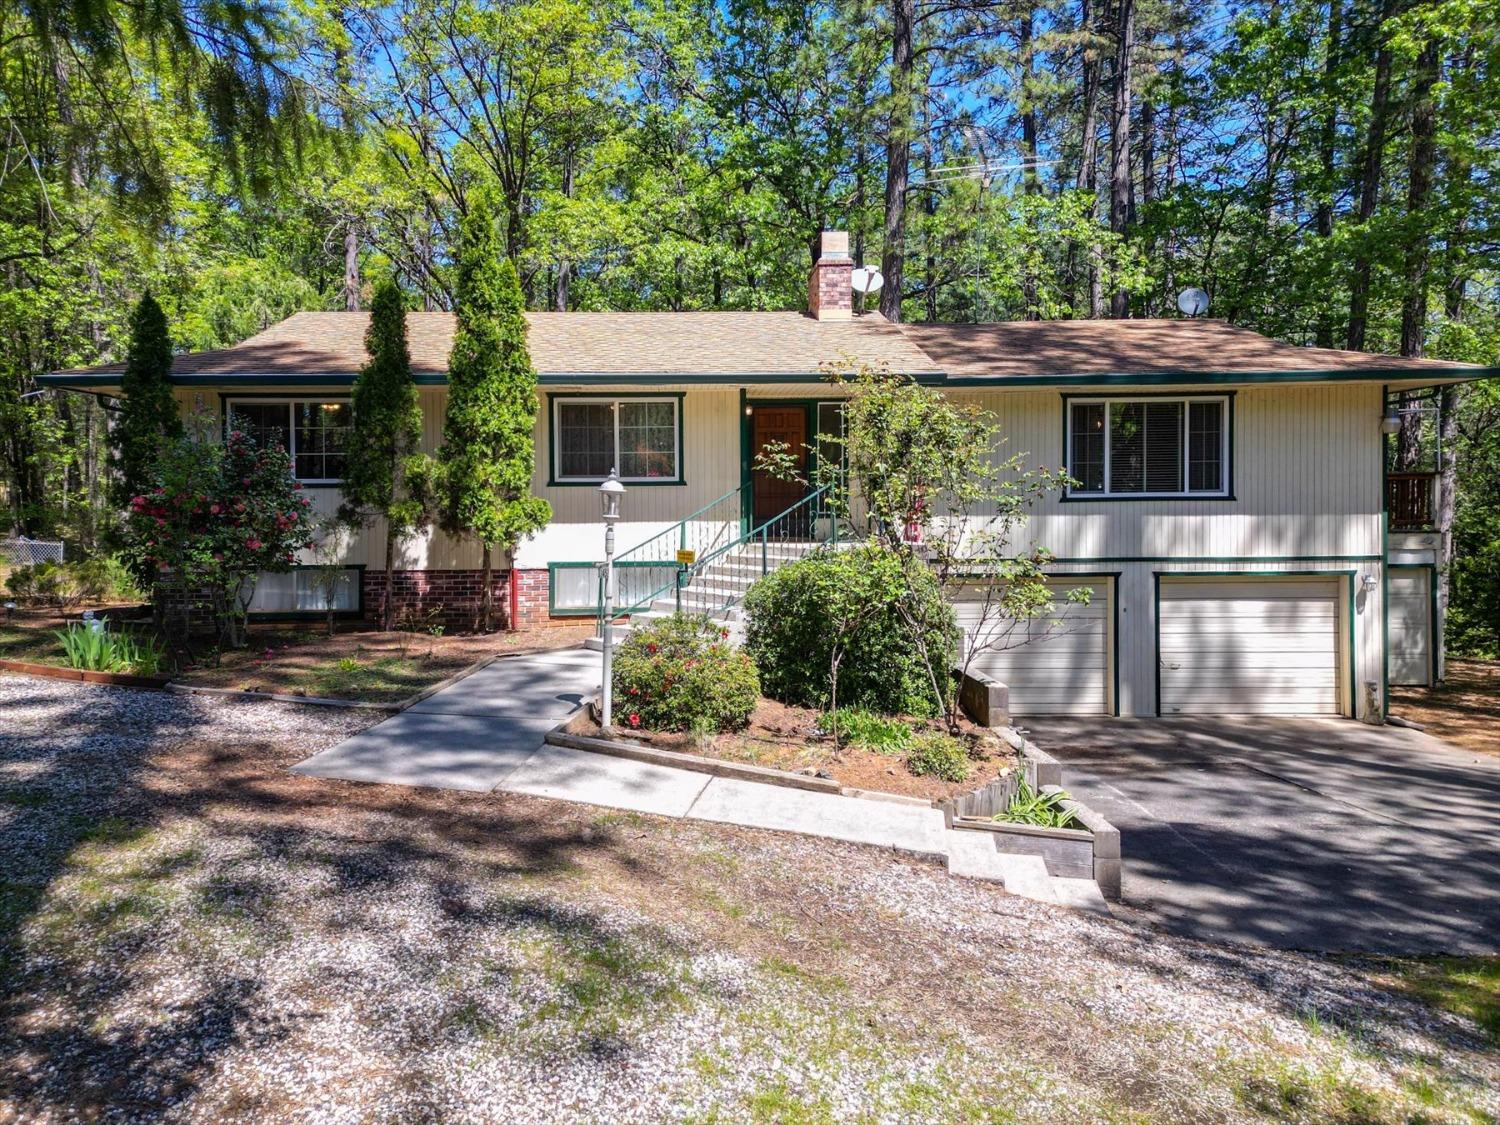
(1410, 621)
(1249, 647)
(1057, 665)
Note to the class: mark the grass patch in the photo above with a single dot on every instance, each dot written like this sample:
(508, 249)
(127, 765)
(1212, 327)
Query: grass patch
(1463, 986)
(858, 727)
(37, 646)
(1293, 1092)
(380, 678)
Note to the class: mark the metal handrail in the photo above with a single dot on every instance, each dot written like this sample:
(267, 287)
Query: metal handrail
(662, 548)
(680, 527)
(685, 574)
(762, 531)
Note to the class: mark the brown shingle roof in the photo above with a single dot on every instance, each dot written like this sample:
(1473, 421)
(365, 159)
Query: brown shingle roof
(740, 346)
(1052, 348)
(580, 343)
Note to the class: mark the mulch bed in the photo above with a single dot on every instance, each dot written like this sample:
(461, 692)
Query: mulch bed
(787, 738)
(1463, 710)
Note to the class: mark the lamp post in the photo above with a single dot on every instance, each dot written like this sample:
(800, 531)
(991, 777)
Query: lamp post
(610, 494)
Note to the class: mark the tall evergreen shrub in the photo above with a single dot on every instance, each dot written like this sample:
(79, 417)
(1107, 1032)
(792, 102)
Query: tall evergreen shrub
(148, 415)
(488, 452)
(386, 436)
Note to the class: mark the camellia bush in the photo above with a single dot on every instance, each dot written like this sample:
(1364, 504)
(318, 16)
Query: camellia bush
(681, 673)
(214, 518)
(853, 628)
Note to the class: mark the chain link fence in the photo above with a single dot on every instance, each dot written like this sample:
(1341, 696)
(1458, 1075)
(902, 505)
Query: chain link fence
(28, 552)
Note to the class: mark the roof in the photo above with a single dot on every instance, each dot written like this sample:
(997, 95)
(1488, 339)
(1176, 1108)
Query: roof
(1090, 350)
(577, 345)
(779, 347)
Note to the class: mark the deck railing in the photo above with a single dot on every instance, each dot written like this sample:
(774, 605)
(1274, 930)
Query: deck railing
(1410, 501)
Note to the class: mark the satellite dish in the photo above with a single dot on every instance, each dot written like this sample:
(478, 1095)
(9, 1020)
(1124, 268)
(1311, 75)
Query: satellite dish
(1193, 302)
(866, 279)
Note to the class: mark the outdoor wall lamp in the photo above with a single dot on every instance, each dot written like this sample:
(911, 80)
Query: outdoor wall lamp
(1369, 582)
(1391, 424)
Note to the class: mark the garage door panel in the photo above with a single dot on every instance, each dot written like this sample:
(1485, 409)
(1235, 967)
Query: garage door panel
(1054, 665)
(1249, 646)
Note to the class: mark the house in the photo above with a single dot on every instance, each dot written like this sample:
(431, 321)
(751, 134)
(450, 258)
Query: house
(1233, 514)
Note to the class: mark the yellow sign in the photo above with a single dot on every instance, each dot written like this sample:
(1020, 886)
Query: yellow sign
(687, 558)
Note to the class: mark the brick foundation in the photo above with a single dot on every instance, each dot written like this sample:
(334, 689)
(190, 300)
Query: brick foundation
(453, 597)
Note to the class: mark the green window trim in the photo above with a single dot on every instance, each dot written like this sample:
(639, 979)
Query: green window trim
(1227, 444)
(555, 480)
(592, 610)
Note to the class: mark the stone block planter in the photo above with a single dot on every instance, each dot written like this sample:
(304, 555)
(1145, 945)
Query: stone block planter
(1090, 852)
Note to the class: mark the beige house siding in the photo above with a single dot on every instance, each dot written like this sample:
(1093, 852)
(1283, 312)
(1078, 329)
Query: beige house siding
(1306, 475)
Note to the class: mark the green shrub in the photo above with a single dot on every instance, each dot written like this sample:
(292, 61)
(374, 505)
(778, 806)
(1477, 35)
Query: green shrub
(858, 727)
(797, 615)
(100, 651)
(102, 578)
(938, 755)
(1041, 809)
(681, 674)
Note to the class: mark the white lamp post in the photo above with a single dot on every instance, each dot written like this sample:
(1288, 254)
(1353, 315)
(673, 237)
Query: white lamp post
(610, 494)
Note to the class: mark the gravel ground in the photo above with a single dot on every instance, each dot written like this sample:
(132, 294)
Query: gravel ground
(187, 932)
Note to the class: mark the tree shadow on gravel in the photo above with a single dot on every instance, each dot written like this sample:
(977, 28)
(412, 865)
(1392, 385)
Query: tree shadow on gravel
(132, 822)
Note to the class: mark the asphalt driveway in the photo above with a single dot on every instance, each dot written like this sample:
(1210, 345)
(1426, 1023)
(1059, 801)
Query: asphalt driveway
(1321, 834)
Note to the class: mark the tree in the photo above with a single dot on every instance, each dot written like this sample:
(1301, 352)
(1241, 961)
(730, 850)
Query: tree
(488, 452)
(921, 477)
(379, 474)
(148, 415)
(213, 517)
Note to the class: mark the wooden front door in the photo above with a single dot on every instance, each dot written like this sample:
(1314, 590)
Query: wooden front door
(787, 425)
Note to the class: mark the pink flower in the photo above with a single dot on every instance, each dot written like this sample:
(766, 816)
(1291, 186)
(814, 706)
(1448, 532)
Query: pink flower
(253, 543)
(214, 508)
(634, 719)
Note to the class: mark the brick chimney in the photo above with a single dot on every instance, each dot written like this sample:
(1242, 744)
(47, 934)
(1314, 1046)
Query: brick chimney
(830, 296)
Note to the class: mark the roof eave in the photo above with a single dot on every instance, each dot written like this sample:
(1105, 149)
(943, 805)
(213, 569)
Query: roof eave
(1196, 378)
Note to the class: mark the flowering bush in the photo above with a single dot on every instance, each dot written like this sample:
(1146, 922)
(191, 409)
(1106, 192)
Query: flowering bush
(681, 673)
(212, 518)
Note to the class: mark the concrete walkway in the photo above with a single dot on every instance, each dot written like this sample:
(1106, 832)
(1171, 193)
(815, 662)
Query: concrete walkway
(484, 734)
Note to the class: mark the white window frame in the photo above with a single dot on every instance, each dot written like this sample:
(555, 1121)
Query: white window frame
(613, 402)
(291, 427)
(1226, 416)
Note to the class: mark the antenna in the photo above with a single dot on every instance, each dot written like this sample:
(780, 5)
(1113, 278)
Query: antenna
(1193, 302)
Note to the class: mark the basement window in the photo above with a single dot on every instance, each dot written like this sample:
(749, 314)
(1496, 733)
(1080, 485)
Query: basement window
(1140, 448)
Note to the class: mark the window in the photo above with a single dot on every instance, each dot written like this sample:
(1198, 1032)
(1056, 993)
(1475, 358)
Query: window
(637, 437)
(314, 432)
(830, 425)
(576, 586)
(1148, 447)
(301, 591)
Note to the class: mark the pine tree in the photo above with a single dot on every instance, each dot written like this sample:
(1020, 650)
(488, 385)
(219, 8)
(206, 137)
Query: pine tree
(387, 432)
(148, 416)
(488, 451)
